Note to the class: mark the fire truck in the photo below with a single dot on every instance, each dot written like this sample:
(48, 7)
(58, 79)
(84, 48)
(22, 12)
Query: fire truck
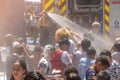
(84, 12)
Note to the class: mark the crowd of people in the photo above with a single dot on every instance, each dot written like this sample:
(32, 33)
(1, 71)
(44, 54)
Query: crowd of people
(56, 57)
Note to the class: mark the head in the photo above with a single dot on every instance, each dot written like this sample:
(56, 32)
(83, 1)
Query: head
(117, 46)
(85, 44)
(101, 64)
(64, 44)
(103, 75)
(38, 49)
(91, 52)
(34, 75)
(71, 73)
(96, 27)
(8, 39)
(20, 40)
(19, 70)
(49, 51)
(107, 54)
(18, 49)
(62, 33)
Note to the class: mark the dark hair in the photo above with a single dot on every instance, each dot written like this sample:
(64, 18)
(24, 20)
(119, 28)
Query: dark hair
(34, 75)
(91, 51)
(103, 75)
(18, 49)
(23, 65)
(64, 42)
(71, 73)
(105, 53)
(103, 60)
(117, 45)
(38, 48)
(85, 44)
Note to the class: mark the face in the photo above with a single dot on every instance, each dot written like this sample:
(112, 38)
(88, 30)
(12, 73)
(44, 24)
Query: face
(109, 59)
(17, 71)
(100, 67)
(96, 28)
(51, 55)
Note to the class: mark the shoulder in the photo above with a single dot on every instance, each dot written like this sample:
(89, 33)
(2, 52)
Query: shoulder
(65, 53)
(43, 60)
(71, 42)
(91, 71)
(43, 63)
(115, 63)
(78, 52)
(116, 55)
(82, 59)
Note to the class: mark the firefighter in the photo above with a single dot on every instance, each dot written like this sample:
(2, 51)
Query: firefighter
(47, 29)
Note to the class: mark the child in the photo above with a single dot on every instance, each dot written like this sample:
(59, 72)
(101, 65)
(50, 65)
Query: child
(19, 70)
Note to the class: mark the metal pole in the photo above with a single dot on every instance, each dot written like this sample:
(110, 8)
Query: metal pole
(4, 70)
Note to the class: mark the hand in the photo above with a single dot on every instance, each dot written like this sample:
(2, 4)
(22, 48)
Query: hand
(56, 71)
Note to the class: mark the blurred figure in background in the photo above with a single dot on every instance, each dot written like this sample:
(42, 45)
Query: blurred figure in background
(95, 36)
(47, 28)
(35, 57)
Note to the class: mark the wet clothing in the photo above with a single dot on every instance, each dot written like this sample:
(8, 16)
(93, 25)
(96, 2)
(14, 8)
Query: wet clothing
(114, 70)
(77, 56)
(90, 74)
(45, 63)
(57, 64)
(116, 56)
(84, 64)
(47, 35)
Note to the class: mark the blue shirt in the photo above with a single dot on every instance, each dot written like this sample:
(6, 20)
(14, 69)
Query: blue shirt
(84, 64)
(90, 74)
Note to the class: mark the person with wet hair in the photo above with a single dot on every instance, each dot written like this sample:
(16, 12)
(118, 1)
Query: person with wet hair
(81, 53)
(34, 75)
(114, 69)
(19, 70)
(47, 28)
(103, 75)
(35, 57)
(100, 64)
(44, 65)
(95, 36)
(71, 73)
(61, 58)
(62, 33)
(85, 63)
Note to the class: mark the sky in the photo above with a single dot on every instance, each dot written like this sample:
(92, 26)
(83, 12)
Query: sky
(34, 0)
